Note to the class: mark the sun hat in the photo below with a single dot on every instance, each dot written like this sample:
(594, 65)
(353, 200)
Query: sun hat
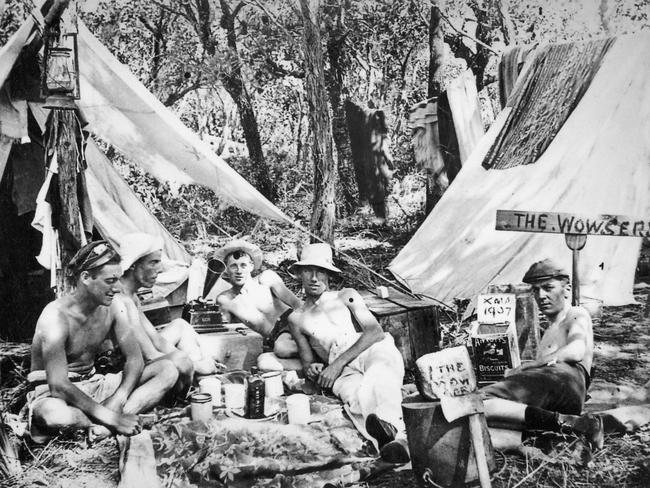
(137, 245)
(240, 245)
(319, 255)
(544, 270)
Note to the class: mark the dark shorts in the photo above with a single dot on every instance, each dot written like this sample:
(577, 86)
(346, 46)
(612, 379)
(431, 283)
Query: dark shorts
(561, 388)
(281, 327)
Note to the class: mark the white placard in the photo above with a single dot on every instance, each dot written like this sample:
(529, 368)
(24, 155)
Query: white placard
(496, 308)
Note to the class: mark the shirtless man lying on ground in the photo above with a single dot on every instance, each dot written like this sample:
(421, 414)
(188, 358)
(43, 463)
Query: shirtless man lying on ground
(262, 302)
(549, 392)
(365, 370)
(65, 392)
(178, 341)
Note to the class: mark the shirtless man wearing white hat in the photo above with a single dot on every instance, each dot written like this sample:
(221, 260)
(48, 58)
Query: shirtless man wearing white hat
(178, 342)
(364, 369)
(262, 302)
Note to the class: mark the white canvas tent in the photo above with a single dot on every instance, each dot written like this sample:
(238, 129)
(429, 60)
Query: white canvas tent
(122, 112)
(598, 163)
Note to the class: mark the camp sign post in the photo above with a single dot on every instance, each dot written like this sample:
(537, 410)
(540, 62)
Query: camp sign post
(575, 228)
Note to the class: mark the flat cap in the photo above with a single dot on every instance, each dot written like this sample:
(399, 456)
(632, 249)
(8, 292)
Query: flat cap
(544, 270)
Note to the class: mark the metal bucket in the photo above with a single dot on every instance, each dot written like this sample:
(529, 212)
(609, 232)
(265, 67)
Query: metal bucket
(441, 451)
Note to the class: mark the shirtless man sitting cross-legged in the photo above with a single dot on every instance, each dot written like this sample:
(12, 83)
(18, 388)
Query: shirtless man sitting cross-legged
(549, 392)
(364, 369)
(65, 392)
(177, 341)
(262, 302)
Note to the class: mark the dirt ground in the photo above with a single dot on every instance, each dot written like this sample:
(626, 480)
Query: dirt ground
(622, 356)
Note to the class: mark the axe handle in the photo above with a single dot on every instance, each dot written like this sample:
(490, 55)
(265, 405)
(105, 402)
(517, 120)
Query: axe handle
(476, 432)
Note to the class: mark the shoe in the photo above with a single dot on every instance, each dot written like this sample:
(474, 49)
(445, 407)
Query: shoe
(395, 452)
(591, 426)
(381, 430)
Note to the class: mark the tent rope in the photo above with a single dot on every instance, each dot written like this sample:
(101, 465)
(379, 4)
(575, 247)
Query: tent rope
(398, 286)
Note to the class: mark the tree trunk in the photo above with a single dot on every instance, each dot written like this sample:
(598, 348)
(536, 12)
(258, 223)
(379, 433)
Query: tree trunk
(436, 50)
(507, 27)
(437, 180)
(324, 206)
(233, 82)
(334, 77)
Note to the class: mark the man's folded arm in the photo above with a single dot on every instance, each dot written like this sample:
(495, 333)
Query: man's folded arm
(53, 340)
(133, 364)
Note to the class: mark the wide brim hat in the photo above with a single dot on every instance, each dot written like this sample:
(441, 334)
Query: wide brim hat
(240, 245)
(319, 255)
(544, 270)
(137, 245)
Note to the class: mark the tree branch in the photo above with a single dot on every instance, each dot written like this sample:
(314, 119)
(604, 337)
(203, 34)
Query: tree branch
(283, 71)
(275, 20)
(172, 10)
(460, 32)
(236, 10)
(174, 97)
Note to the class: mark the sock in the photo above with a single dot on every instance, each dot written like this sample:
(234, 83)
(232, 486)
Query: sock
(540, 419)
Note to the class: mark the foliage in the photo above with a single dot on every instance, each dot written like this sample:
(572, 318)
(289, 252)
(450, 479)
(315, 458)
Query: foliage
(385, 58)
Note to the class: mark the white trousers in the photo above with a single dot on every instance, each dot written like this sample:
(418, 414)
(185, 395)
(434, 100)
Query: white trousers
(372, 383)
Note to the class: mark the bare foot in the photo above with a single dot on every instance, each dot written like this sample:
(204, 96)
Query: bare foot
(97, 433)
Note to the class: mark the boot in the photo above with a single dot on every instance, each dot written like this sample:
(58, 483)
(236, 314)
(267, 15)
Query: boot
(588, 425)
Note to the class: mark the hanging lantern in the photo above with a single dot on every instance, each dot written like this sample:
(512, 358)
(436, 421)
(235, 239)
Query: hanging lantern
(60, 69)
(60, 72)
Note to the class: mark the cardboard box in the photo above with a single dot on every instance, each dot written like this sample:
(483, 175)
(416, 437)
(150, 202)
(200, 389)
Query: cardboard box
(495, 350)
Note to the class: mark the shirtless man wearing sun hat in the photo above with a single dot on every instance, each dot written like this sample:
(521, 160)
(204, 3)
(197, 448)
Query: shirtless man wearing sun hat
(262, 302)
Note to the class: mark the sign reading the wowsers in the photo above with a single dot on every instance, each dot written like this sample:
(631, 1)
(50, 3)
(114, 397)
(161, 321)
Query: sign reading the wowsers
(564, 223)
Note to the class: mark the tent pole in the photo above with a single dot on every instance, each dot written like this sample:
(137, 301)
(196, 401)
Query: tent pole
(63, 130)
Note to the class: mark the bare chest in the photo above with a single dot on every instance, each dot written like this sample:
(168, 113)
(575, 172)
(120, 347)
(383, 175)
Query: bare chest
(554, 338)
(85, 337)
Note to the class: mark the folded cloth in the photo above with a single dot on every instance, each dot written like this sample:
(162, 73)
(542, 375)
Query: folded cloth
(97, 386)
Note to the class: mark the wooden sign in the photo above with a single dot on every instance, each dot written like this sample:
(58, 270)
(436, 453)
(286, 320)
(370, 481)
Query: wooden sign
(496, 308)
(565, 223)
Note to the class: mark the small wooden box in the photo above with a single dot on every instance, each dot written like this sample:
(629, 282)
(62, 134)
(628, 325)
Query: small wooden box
(413, 322)
(238, 347)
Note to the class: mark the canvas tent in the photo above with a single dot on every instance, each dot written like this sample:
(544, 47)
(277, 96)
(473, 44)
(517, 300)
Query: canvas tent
(597, 163)
(120, 110)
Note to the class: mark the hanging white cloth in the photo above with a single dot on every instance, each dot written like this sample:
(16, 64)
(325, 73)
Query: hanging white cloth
(49, 256)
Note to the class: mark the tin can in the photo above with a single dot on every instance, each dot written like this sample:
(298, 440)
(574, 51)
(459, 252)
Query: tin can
(201, 406)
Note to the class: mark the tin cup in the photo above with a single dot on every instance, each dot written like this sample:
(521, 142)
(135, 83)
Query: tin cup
(201, 406)
(298, 408)
(273, 386)
(212, 386)
(235, 396)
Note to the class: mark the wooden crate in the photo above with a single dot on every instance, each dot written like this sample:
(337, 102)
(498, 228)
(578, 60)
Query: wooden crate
(414, 323)
(235, 350)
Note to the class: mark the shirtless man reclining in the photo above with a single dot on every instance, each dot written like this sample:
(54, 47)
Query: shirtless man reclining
(365, 370)
(178, 341)
(65, 392)
(261, 302)
(549, 392)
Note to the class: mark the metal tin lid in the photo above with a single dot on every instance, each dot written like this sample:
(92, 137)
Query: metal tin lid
(200, 398)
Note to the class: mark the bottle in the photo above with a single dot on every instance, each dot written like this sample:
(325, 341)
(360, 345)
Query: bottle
(255, 396)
